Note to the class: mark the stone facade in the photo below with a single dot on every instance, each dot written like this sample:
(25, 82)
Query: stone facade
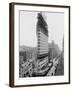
(42, 36)
(42, 48)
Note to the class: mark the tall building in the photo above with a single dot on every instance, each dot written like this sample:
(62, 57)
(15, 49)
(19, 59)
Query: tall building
(42, 48)
(42, 36)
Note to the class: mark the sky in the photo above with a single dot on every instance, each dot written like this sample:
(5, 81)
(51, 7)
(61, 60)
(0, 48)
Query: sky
(28, 21)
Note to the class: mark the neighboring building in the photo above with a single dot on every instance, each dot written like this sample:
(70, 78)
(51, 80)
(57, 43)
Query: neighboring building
(63, 45)
(54, 51)
(22, 56)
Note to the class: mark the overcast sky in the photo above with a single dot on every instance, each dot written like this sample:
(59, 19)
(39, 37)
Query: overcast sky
(28, 21)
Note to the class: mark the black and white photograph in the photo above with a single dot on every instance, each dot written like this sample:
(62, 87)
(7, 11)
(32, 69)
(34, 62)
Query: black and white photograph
(41, 48)
(39, 44)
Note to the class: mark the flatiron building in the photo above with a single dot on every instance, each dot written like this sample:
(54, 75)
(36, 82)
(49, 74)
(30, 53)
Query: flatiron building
(42, 36)
(42, 45)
